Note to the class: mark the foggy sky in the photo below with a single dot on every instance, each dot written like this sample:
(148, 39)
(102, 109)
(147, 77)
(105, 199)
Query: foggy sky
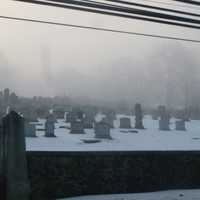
(47, 60)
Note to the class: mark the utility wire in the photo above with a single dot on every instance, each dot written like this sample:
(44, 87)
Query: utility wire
(196, 3)
(99, 29)
(170, 4)
(126, 10)
(97, 11)
(154, 7)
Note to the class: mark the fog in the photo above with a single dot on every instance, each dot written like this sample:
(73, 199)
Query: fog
(43, 60)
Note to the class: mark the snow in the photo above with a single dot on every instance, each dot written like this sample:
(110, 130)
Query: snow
(165, 195)
(145, 140)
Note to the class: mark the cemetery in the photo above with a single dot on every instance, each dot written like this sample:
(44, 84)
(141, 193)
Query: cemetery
(57, 162)
(180, 136)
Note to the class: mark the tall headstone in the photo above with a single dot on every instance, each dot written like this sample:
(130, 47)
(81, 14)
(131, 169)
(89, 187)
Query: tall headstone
(102, 130)
(17, 183)
(125, 122)
(50, 126)
(30, 130)
(164, 119)
(138, 117)
(2, 163)
(180, 125)
(77, 127)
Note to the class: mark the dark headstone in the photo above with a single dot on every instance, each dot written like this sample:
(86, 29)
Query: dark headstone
(164, 119)
(102, 130)
(50, 126)
(125, 122)
(164, 125)
(138, 117)
(77, 127)
(180, 125)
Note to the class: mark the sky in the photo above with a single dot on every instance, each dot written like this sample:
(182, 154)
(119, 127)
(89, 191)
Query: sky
(47, 60)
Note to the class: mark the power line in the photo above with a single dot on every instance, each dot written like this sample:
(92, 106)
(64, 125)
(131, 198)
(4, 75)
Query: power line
(196, 3)
(97, 11)
(110, 7)
(154, 7)
(99, 29)
(171, 4)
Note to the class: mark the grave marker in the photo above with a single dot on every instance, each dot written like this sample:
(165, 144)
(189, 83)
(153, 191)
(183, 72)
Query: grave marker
(102, 130)
(77, 127)
(125, 122)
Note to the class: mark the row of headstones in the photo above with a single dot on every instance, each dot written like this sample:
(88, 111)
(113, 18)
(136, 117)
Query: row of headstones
(88, 119)
(164, 120)
(102, 129)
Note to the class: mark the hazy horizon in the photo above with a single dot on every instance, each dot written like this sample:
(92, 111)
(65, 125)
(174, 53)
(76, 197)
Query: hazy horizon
(44, 60)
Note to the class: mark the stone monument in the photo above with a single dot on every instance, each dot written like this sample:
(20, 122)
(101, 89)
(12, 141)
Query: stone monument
(77, 127)
(17, 185)
(180, 125)
(50, 126)
(138, 117)
(30, 130)
(125, 122)
(164, 119)
(102, 130)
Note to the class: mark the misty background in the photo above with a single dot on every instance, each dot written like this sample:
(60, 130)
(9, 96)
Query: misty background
(46, 60)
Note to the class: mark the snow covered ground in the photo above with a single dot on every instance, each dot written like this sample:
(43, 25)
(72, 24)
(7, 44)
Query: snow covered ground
(166, 195)
(149, 139)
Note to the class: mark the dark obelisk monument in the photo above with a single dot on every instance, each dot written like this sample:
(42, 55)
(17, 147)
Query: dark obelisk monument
(14, 159)
(138, 117)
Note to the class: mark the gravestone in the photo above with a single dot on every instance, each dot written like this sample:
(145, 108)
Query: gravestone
(125, 122)
(164, 124)
(50, 126)
(88, 122)
(164, 119)
(138, 117)
(30, 130)
(108, 120)
(17, 185)
(102, 130)
(180, 125)
(77, 127)
(71, 117)
(2, 163)
(154, 115)
(1, 117)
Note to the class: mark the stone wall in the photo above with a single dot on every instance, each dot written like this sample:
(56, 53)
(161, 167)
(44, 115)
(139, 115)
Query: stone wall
(64, 174)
